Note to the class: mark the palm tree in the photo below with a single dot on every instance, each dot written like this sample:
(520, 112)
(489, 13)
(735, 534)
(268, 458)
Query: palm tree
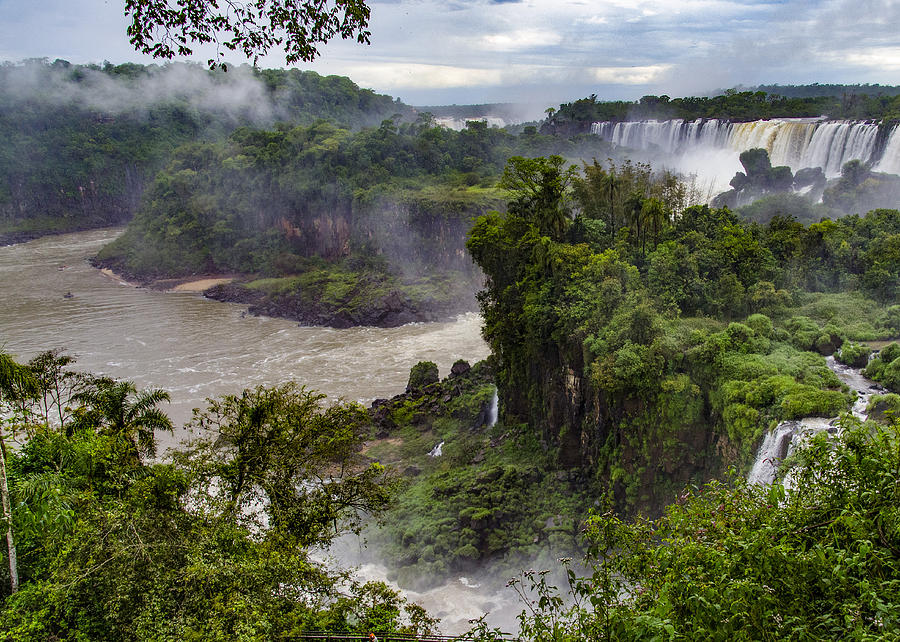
(117, 408)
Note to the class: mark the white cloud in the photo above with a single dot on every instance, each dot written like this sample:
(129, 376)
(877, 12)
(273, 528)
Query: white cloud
(416, 75)
(629, 75)
(548, 49)
(885, 58)
(593, 20)
(520, 39)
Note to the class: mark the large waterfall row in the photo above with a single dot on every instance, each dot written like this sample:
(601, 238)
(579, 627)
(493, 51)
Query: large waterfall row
(796, 142)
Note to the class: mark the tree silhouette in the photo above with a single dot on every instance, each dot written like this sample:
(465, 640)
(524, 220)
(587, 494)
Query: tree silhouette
(166, 28)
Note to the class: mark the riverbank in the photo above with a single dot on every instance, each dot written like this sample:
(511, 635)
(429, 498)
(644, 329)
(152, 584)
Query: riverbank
(363, 303)
(329, 296)
(188, 284)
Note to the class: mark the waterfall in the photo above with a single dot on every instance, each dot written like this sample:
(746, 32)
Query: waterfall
(437, 451)
(795, 142)
(492, 411)
(772, 450)
(788, 435)
(890, 159)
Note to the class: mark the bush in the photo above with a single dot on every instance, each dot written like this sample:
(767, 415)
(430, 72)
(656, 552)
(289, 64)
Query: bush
(422, 374)
(761, 325)
(852, 354)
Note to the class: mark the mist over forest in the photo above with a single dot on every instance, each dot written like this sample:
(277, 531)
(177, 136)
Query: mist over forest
(691, 309)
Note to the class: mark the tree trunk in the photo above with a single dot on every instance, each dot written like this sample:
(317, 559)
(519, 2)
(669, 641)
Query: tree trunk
(7, 515)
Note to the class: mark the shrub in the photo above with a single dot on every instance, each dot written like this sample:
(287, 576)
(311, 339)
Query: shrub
(422, 374)
(852, 354)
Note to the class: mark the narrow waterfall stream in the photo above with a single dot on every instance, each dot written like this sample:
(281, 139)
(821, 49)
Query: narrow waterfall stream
(781, 442)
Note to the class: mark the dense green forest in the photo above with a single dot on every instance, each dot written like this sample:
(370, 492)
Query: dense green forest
(654, 345)
(642, 345)
(81, 142)
(334, 221)
(740, 106)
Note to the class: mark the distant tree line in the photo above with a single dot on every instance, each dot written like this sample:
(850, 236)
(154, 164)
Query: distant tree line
(734, 105)
(81, 142)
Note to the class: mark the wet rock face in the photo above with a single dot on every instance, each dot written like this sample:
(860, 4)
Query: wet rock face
(461, 367)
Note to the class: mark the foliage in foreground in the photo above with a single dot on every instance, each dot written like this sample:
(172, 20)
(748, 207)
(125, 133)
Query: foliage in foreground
(819, 560)
(212, 546)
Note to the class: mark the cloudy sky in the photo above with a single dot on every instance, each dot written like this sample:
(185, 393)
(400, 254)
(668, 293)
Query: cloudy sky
(540, 51)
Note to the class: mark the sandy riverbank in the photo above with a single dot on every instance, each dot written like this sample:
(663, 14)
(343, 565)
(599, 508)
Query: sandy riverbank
(201, 284)
(174, 285)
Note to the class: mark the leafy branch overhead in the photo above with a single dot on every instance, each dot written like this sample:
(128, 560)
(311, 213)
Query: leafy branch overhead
(169, 28)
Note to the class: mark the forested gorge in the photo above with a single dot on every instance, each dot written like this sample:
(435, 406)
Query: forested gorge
(643, 344)
(83, 141)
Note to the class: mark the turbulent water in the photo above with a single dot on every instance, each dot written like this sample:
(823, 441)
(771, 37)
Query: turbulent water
(196, 348)
(779, 443)
(710, 148)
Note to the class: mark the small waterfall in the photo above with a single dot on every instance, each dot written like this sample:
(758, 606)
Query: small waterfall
(788, 435)
(795, 142)
(773, 449)
(437, 451)
(492, 411)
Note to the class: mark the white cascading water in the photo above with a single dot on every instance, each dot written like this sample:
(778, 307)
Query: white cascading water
(890, 159)
(493, 410)
(787, 435)
(795, 142)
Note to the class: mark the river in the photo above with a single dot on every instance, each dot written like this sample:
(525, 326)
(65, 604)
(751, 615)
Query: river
(196, 348)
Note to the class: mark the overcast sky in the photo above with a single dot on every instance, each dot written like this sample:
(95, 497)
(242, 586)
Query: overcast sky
(541, 51)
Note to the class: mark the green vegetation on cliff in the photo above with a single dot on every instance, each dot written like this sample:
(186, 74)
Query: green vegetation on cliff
(732, 561)
(477, 496)
(652, 346)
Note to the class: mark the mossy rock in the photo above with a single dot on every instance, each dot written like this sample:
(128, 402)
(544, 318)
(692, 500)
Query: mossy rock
(882, 407)
(423, 374)
(855, 355)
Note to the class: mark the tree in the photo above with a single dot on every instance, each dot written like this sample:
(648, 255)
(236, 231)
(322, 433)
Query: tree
(211, 546)
(277, 448)
(13, 378)
(166, 28)
(540, 192)
(117, 408)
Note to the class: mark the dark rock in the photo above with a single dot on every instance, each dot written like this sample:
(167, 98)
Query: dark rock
(461, 367)
(234, 293)
(809, 176)
(412, 471)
